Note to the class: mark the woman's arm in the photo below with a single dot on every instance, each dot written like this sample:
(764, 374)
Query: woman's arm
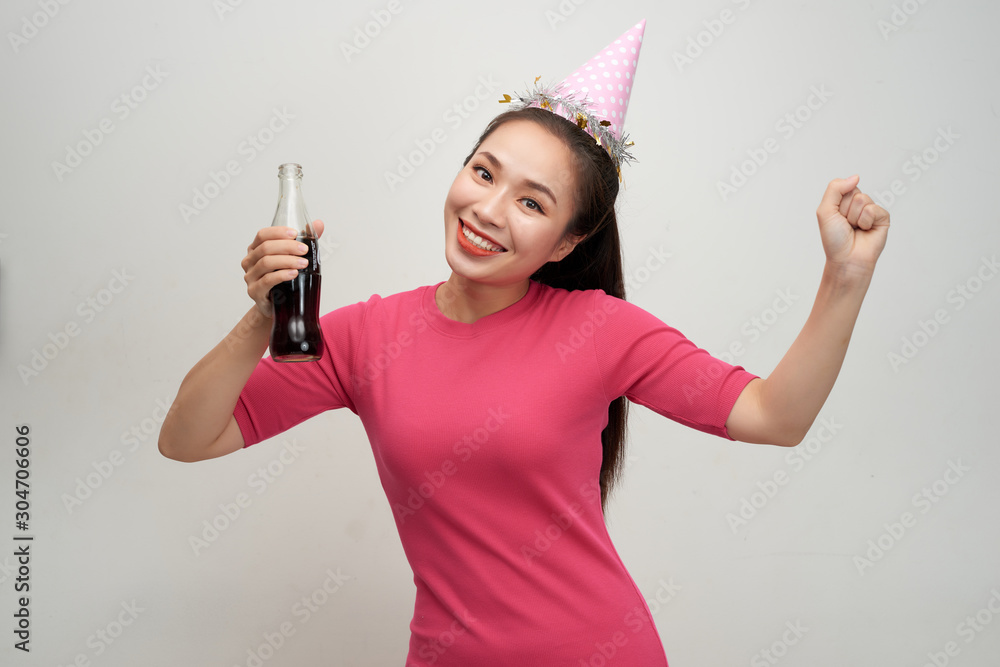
(200, 423)
(781, 408)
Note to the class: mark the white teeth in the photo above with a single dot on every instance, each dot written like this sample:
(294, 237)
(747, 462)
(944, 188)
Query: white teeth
(480, 242)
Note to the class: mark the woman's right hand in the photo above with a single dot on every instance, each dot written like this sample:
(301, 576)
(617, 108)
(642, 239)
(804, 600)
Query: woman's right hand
(273, 257)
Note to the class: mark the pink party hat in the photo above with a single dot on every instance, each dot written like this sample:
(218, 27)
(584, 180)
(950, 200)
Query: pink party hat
(596, 96)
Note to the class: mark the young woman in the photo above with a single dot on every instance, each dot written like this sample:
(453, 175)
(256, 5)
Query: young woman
(495, 400)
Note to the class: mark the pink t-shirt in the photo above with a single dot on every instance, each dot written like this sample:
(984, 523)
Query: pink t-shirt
(487, 439)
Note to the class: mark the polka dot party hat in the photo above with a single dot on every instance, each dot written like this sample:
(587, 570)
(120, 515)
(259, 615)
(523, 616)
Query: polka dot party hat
(595, 96)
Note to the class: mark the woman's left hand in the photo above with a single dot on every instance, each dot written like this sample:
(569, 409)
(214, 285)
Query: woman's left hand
(852, 226)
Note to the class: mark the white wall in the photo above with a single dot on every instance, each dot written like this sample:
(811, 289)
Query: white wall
(898, 428)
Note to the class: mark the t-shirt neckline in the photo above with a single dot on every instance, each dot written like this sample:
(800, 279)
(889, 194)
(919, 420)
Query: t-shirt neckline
(445, 325)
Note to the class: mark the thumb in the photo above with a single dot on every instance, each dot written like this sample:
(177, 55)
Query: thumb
(318, 227)
(835, 191)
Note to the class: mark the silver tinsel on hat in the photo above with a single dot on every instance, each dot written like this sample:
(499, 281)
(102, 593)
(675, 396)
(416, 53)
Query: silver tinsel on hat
(579, 111)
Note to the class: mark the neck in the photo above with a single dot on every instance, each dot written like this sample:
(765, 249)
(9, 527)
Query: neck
(466, 301)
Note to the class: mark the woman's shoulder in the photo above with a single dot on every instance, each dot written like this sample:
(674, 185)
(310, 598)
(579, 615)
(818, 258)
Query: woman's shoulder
(581, 298)
(599, 306)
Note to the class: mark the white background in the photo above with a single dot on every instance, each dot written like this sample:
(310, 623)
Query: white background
(898, 77)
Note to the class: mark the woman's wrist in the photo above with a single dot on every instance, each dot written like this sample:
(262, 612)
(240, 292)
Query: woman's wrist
(847, 277)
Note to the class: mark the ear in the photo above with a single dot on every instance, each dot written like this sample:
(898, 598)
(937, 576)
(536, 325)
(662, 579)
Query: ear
(565, 247)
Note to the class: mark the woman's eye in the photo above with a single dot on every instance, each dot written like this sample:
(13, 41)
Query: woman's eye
(533, 205)
(483, 173)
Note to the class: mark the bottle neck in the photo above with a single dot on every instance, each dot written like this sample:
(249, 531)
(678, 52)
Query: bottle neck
(290, 188)
(291, 205)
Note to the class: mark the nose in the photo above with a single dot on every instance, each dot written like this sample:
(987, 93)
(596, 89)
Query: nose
(489, 209)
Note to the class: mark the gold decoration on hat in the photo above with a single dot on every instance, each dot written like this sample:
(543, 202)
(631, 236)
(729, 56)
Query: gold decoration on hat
(580, 112)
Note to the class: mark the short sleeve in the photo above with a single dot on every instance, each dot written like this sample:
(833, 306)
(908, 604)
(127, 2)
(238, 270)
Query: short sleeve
(279, 396)
(656, 366)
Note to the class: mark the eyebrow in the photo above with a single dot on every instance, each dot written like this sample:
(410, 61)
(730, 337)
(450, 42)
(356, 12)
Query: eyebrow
(535, 185)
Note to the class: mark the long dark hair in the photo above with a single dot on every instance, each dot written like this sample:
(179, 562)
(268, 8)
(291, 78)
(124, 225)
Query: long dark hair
(596, 261)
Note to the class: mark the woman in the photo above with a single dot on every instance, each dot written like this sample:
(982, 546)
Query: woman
(495, 401)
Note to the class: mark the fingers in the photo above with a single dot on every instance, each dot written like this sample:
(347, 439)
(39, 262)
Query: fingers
(861, 211)
(872, 215)
(272, 248)
(880, 216)
(270, 233)
(259, 287)
(273, 257)
(859, 202)
(260, 290)
(843, 197)
(284, 266)
(273, 233)
(834, 198)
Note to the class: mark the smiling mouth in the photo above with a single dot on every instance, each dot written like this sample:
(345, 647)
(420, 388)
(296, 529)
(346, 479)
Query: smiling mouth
(475, 244)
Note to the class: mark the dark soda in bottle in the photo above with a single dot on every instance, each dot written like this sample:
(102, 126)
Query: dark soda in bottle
(295, 333)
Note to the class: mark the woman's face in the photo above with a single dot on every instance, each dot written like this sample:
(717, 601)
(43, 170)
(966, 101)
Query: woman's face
(517, 193)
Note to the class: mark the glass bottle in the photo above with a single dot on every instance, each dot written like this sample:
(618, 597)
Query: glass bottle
(295, 333)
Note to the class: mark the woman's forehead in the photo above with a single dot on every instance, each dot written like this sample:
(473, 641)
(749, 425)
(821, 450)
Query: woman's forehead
(530, 151)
